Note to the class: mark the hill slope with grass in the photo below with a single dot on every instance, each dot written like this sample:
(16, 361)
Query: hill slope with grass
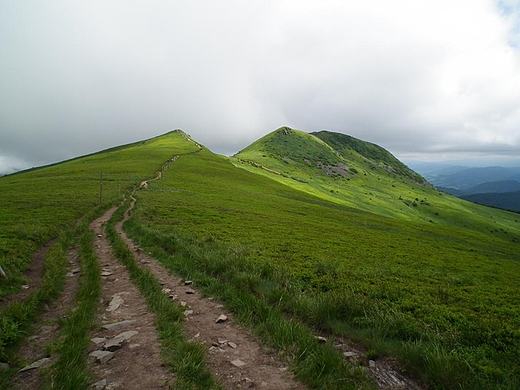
(351, 172)
(300, 235)
(38, 204)
(439, 296)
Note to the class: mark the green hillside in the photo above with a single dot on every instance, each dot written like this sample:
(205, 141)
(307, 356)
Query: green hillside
(369, 154)
(441, 297)
(348, 171)
(304, 234)
(39, 204)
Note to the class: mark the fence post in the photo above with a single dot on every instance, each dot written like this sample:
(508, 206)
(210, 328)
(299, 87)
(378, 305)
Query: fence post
(101, 187)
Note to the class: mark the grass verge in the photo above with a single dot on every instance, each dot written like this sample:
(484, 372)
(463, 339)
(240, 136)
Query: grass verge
(251, 292)
(264, 297)
(71, 370)
(17, 318)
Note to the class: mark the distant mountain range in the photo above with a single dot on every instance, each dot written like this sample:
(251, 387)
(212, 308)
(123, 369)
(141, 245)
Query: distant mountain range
(493, 186)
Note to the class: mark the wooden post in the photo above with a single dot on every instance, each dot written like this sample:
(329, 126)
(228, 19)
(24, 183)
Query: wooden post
(101, 187)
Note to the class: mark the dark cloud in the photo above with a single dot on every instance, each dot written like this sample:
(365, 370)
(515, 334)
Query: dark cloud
(432, 79)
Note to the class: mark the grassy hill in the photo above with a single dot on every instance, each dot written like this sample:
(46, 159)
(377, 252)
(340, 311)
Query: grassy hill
(362, 175)
(321, 231)
(39, 204)
(440, 296)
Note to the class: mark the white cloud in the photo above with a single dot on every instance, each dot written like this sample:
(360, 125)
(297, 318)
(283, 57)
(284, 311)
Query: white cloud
(414, 77)
(10, 164)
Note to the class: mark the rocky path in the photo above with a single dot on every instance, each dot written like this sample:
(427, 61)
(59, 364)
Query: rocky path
(126, 350)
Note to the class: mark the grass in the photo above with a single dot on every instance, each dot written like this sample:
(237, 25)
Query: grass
(71, 370)
(377, 182)
(17, 318)
(43, 204)
(38, 205)
(434, 295)
(233, 280)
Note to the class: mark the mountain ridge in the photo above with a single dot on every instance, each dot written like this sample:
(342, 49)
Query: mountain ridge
(356, 251)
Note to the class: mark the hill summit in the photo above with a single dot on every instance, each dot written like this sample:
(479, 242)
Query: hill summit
(334, 154)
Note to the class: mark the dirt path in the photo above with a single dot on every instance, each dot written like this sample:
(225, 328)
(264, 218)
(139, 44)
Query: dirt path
(33, 352)
(34, 275)
(135, 363)
(237, 359)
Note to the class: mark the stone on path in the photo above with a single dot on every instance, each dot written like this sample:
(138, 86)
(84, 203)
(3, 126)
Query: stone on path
(100, 385)
(102, 356)
(238, 363)
(74, 271)
(113, 344)
(118, 341)
(117, 324)
(98, 340)
(37, 364)
(115, 303)
(221, 318)
(127, 335)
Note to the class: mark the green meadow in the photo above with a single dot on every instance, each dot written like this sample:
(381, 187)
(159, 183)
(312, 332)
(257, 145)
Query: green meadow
(38, 204)
(54, 204)
(441, 295)
(371, 253)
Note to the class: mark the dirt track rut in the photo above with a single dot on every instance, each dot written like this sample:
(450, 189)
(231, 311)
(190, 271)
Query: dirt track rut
(137, 364)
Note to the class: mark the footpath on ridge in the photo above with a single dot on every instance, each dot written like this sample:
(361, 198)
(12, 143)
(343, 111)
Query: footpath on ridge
(235, 357)
(125, 350)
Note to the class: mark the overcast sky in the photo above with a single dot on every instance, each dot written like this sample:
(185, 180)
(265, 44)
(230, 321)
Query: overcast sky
(424, 79)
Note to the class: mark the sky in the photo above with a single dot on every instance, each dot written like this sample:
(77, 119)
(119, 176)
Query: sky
(426, 80)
